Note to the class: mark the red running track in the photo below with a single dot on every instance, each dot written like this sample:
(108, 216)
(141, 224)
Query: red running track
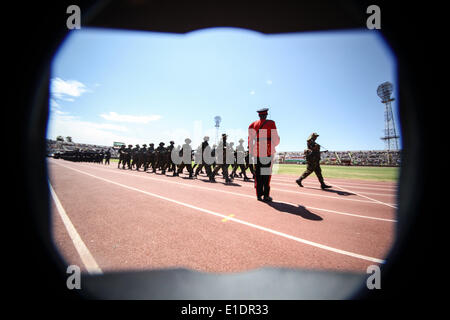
(131, 220)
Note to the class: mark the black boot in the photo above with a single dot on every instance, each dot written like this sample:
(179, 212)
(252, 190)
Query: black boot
(324, 186)
(299, 182)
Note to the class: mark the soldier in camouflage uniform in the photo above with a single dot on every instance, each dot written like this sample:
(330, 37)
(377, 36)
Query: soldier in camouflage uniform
(141, 157)
(240, 161)
(220, 153)
(121, 156)
(312, 161)
(134, 157)
(127, 153)
(186, 148)
(161, 158)
(205, 149)
(151, 158)
(107, 156)
(171, 165)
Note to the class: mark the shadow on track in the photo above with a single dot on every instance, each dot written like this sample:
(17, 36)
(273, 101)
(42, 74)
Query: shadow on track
(298, 211)
(338, 192)
(224, 183)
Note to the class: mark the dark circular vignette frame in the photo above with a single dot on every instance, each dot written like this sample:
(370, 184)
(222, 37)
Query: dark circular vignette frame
(407, 253)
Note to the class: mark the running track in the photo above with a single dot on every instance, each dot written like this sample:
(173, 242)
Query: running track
(109, 219)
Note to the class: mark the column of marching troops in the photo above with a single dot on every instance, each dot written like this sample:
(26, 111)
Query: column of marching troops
(152, 160)
(87, 155)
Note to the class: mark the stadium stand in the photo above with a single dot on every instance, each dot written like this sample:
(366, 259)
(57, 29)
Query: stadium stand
(354, 158)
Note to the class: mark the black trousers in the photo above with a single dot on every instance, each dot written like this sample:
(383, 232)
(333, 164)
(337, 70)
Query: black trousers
(203, 165)
(263, 173)
(188, 167)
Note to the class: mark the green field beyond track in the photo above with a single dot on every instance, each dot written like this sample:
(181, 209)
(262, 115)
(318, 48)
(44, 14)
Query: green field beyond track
(344, 172)
(350, 172)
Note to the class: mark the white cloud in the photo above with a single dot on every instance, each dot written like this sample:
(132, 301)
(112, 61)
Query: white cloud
(54, 104)
(66, 89)
(269, 82)
(113, 116)
(252, 92)
(58, 112)
(84, 131)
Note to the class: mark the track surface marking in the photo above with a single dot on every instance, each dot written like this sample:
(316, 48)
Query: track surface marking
(132, 222)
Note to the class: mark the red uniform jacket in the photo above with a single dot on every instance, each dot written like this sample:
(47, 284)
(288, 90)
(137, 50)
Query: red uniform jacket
(262, 141)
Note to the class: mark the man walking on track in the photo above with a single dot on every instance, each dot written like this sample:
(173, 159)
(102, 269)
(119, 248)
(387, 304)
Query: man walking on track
(262, 140)
(312, 162)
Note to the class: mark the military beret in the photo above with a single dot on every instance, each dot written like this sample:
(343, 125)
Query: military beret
(172, 142)
(224, 135)
(161, 143)
(151, 144)
(130, 145)
(144, 145)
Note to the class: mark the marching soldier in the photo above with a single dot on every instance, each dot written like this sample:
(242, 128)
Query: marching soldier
(134, 157)
(147, 156)
(161, 158)
(248, 165)
(262, 140)
(240, 160)
(172, 166)
(312, 161)
(141, 157)
(197, 157)
(107, 156)
(186, 154)
(127, 153)
(221, 157)
(121, 156)
(205, 150)
(151, 157)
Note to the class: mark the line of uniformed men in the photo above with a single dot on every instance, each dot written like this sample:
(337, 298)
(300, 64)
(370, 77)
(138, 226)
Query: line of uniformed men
(152, 159)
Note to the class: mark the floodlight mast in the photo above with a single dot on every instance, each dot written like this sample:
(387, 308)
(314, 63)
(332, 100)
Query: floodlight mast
(217, 120)
(390, 138)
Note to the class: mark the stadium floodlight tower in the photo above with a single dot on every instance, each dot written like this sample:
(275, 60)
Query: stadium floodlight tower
(390, 138)
(217, 120)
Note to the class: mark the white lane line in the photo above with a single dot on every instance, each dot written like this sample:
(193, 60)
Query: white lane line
(294, 185)
(331, 197)
(238, 194)
(350, 214)
(362, 186)
(84, 253)
(281, 234)
(375, 200)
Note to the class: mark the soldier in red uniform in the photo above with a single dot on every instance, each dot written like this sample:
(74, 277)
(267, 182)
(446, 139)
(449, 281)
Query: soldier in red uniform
(262, 140)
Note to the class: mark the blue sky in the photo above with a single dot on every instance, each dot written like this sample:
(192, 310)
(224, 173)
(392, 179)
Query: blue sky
(142, 87)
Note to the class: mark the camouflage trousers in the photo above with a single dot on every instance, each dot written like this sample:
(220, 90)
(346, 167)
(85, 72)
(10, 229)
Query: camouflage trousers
(313, 167)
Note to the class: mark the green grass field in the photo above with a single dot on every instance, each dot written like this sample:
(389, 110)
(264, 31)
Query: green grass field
(344, 172)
